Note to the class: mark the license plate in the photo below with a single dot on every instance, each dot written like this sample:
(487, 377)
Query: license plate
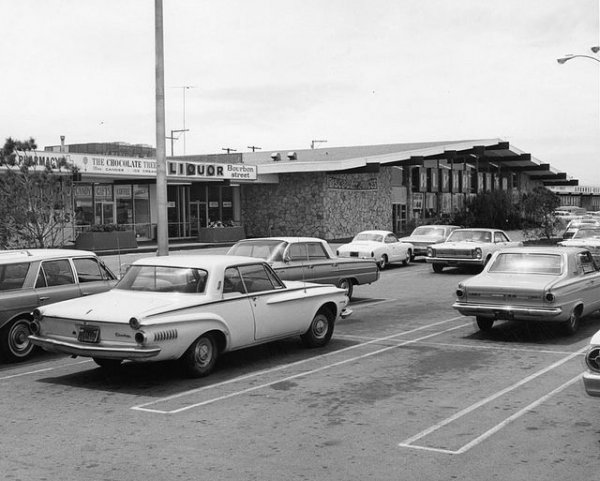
(89, 334)
(353, 254)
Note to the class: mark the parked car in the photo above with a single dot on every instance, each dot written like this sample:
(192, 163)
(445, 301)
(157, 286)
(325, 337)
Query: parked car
(468, 247)
(591, 377)
(36, 277)
(381, 245)
(576, 224)
(425, 235)
(588, 237)
(541, 283)
(308, 259)
(190, 308)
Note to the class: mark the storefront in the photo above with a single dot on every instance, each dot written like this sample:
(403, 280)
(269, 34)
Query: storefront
(119, 191)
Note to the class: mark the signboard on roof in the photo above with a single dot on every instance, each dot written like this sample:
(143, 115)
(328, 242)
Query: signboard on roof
(120, 167)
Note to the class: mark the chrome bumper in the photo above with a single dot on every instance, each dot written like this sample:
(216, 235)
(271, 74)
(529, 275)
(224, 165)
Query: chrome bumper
(591, 382)
(455, 261)
(94, 350)
(507, 312)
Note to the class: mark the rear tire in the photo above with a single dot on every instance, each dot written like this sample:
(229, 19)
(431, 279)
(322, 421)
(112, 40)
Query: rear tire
(409, 257)
(571, 326)
(14, 341)
(200, 358)
(484, 323)
(320, 331)
(347, 285)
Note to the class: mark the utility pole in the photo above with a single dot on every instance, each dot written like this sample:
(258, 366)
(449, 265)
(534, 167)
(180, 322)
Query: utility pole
(173, 138)
(228, 149)
(162, 234)
(184, 130)
(254, 147)
(312, 144)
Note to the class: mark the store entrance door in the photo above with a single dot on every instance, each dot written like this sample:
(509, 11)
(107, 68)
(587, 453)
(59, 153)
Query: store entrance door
(178, 197)
(197, 217)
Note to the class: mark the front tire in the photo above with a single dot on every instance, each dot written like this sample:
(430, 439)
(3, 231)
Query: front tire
(14, 341)
(347, 285)
(571, 326)
(200, 358)
(437, 268)
(409, 257)
(484, 323)
(383, 262)
(320, 331)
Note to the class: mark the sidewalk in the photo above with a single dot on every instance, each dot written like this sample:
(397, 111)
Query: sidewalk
(152, 247)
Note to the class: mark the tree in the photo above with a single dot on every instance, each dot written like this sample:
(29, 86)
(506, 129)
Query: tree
(35, 200)
(538, 209)
(494, 209)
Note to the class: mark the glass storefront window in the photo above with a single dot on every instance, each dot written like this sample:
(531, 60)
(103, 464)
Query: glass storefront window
(83, 203)
(141, 210)
(124, 201)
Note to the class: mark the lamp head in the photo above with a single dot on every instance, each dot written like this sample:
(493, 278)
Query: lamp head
(564, 59)
(596, 49)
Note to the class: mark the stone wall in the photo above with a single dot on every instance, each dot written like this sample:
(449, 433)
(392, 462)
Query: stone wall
(329, 206)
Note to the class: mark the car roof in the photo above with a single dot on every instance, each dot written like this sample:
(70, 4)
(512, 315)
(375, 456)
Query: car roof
(200, 261)
(288, 239)
(381, 232)
(438, 225)
(16, 255)
(478, 229)
(545, 249)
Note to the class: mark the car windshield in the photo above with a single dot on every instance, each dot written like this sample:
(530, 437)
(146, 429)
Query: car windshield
(470, 235)
(587, 234)
(528, 263)
(269, 250)
(163, 279)
(368, 236)
(429, 231)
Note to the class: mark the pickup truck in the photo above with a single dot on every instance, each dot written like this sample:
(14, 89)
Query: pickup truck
(308, 259)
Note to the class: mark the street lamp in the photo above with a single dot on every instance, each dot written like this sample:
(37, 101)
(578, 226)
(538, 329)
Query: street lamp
(570, 56)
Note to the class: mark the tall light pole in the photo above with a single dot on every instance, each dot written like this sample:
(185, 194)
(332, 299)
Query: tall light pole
(184, 130)
(162, 235)
(173, 138)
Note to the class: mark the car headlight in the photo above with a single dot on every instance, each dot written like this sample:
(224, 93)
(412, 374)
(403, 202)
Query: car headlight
(430, 252)
(477, 254)
(549, 297)
(592, 358)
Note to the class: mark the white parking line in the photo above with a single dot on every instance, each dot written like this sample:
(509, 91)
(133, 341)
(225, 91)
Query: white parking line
(491, 347)
(36, 371)
(142, 407)
(408, 443)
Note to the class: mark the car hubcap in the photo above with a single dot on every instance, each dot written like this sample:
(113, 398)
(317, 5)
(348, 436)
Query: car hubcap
(203, 353)
(18, 340)
(320, 327)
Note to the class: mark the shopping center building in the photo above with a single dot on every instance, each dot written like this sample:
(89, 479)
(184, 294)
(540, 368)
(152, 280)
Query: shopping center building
(330, 193)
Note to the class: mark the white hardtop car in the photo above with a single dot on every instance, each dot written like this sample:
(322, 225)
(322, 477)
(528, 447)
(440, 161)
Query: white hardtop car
(381, 245)
(191, 308)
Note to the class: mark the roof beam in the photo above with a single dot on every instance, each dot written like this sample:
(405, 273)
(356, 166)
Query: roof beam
(561, 182)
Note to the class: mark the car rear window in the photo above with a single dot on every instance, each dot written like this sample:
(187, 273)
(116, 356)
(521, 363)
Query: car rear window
(527, 263)
(12, 276)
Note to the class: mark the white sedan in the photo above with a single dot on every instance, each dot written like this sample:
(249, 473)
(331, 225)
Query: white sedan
(381, 245)
(191, 309)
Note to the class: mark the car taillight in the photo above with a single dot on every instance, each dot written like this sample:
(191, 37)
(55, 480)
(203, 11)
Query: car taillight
(592, 358)
(549, 297)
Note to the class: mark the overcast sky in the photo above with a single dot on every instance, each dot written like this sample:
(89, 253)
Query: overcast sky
(279, 73)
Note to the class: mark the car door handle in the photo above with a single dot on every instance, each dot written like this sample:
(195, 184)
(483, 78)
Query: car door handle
(44, 298)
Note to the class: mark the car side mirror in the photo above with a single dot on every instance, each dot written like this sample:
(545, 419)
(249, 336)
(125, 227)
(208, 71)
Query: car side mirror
(286, 258)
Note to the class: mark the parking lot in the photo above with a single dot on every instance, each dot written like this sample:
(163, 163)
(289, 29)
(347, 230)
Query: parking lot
(407, 389)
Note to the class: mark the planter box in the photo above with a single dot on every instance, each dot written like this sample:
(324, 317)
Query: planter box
(221, 234)
(99, 241)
